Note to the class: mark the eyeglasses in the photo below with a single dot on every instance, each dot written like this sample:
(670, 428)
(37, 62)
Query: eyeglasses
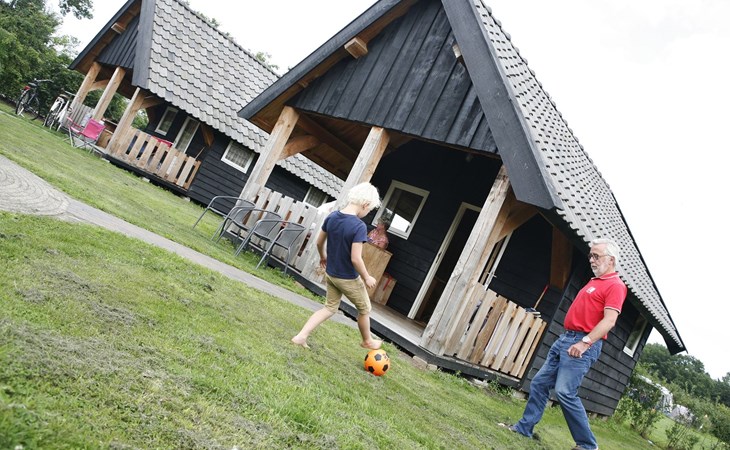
(595, 256)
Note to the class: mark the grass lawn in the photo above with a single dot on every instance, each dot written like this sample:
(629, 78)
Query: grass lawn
(107, 342)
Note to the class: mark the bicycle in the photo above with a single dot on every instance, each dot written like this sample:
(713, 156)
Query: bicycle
(59, 110)
(28, 100)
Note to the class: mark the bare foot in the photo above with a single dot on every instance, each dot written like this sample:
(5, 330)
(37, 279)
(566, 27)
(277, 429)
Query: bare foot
(372, 344)
(296, 340)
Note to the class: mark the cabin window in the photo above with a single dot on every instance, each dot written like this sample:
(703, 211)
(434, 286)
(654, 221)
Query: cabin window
(185, 136)
(238, 156)
(166, 122)
(635, 337)
(403, 203)
(315, 197)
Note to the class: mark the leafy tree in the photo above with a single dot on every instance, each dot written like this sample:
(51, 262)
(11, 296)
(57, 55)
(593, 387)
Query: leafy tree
(81, 9)
(29, 49)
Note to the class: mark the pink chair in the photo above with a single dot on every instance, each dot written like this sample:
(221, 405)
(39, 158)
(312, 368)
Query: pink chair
(86, 136)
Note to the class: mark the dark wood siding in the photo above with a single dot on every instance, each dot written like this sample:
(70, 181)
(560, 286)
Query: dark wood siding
(451, 178)
(121, 50)
(409, 81)
(605, 383)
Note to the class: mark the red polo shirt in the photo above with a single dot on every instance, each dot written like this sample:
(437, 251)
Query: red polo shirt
(599, 293)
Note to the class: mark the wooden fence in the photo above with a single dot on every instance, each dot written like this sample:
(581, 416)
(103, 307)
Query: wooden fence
(497, 334)
(155, 157)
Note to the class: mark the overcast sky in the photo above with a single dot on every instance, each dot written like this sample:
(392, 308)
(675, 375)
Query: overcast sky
(644, 86)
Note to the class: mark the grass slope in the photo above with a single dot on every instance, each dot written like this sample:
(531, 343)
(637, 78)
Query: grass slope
(107, 342)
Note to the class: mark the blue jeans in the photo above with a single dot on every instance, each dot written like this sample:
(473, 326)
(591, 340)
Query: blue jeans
(564, 374)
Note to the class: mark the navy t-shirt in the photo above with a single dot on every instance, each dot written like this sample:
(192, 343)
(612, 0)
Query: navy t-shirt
(342, 230)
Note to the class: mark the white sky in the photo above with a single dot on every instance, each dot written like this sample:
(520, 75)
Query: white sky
(644, 86)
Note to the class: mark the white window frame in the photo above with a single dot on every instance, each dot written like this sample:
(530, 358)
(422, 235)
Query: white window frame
(384, 207)
(318, 194)
(235, 145)
(632, 342)
(193, 129)
(168, 111)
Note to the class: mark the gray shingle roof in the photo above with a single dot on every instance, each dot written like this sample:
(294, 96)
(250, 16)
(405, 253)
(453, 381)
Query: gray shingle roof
(198, 69)
(589, 206)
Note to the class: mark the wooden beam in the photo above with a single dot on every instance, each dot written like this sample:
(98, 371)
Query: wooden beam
(208, 134)
(150, 101)
(312, 127)
(271, 153)
(366, 162)
(118, 28)
(561, 260)
(85, 87)
(99, 84)
(109, 92)
(299, 144)
(356, 47)
(519, 213)
(126, 121)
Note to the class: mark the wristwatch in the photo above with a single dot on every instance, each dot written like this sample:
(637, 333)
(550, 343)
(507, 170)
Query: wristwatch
(587, 340)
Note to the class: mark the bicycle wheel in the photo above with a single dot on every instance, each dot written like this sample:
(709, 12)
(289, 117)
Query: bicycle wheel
(20, 104)
(50, 118)
(33, 107)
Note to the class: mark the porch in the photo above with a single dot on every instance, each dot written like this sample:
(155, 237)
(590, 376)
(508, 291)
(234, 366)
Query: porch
(491, 338)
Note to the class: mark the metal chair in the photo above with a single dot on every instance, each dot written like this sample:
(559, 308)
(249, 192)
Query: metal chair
(285, 238)
(238, 215)
(221, 205)
(266, 229)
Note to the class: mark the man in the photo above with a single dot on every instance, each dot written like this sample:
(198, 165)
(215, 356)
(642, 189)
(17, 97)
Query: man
(589, 319)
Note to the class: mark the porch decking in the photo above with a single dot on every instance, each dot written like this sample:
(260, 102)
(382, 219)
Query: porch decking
(406, 334)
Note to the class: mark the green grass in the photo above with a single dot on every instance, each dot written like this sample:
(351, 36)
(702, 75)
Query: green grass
(107, 342)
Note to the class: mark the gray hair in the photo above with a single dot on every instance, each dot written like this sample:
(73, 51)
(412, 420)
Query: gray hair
(612, 248)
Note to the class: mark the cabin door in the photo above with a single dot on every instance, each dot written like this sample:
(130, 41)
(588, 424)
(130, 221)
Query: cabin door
(444, 263)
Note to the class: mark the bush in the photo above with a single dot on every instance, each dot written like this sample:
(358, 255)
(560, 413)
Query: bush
(638, 405)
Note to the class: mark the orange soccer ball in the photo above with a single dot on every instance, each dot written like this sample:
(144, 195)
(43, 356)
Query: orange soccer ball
(377, 362)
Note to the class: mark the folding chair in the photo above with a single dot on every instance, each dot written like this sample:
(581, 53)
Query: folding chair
(285, 238)
(88, 135)
(265, 229)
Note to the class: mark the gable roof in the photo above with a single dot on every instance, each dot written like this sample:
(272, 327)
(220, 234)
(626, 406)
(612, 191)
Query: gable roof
(182, 59)
(547, 166)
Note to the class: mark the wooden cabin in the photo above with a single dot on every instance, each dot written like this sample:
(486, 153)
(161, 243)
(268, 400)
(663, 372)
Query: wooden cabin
(493, 198)
(191, 80)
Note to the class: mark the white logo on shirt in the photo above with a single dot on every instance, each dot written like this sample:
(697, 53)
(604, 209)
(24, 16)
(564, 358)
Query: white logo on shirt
(590, 290)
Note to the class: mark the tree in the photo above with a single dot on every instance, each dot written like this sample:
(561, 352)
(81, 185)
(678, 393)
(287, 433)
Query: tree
(81, 9)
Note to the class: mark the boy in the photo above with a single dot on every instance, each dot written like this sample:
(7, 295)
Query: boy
(345, 232)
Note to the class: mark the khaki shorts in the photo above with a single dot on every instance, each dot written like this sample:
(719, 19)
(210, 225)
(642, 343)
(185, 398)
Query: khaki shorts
(354, 290)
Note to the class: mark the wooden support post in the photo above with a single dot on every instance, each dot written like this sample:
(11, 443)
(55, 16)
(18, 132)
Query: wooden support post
(85, 87)
(466, 273)
(366, 162)
(362, 171)
(126, 121)
(560, 260)
(271, 153)
(106, 97)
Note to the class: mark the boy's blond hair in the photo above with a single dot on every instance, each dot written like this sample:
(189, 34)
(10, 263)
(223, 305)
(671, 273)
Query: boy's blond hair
(364, 193)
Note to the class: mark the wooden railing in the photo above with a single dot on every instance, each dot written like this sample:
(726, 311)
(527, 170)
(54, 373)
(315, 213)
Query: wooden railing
(155, 157)
(498, 334)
